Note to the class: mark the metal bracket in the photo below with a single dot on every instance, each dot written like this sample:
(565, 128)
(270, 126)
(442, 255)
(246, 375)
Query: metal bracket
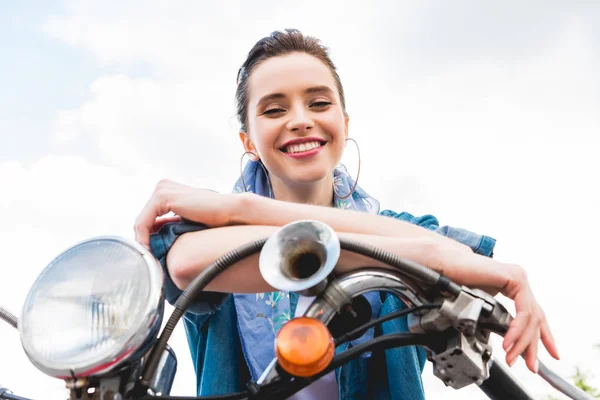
(465, 361)
(466, 356)
(464, 312)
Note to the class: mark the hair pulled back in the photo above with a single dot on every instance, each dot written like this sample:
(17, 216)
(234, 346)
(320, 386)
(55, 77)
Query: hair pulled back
(276, 44)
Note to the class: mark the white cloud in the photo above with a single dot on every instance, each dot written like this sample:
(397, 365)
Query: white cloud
(67, 127)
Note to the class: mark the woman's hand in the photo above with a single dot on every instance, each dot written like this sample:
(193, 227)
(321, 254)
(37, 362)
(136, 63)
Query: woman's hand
(529, 325)
(199, 205)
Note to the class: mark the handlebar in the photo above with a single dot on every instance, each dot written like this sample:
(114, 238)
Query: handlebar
(8, 395)
(452, 322)
(502, 385)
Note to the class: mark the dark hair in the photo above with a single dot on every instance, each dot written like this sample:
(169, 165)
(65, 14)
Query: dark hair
(276, 44)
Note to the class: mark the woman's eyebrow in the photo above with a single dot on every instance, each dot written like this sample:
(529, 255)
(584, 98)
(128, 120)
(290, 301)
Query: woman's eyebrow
(319, 89)
(269, 97)
(277, 96)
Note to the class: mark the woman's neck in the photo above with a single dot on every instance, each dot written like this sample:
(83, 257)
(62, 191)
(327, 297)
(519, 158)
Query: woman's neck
(317, 193)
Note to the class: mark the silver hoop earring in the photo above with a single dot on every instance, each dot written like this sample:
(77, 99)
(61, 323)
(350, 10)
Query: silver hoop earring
(261, 165)
(357, 174)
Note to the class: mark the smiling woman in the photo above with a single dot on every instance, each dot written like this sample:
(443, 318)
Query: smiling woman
(296, 127)
(294, 124)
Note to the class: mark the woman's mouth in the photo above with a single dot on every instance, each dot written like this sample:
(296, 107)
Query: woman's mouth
(303, 150)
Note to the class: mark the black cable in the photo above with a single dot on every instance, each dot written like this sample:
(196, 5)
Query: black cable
(284, 389)
(273, 389)
(189, 295)
(229, 396)
(406, 267)
(357, 333)
(361, 329)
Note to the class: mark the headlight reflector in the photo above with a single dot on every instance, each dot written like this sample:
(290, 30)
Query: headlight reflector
(92, 307)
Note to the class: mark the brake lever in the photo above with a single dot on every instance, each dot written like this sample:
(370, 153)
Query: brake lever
(465, 358)
(472, 312)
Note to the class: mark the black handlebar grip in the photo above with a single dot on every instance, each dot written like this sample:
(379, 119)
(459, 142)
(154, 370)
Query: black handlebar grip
(502, 385)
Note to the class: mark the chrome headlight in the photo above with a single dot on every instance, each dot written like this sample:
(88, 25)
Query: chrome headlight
(93, 307)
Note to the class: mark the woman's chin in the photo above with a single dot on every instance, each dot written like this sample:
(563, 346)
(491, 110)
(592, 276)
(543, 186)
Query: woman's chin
(308, 177)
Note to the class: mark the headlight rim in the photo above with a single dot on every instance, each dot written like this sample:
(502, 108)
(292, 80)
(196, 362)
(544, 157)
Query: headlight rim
(139, 335)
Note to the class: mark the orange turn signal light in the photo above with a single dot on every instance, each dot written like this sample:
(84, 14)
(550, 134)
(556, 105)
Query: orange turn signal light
(304, 346)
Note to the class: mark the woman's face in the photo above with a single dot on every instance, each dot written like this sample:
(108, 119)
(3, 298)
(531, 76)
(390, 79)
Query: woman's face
(296, 124)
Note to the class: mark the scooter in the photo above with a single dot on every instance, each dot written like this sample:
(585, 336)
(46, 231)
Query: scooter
(93, 316)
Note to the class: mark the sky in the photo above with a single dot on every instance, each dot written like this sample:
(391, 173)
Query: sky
(484, 114)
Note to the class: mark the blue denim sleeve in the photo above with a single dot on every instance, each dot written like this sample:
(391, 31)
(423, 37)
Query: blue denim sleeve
(480, 244)
(160, 244)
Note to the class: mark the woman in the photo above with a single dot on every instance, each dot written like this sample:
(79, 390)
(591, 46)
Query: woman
(294, 127)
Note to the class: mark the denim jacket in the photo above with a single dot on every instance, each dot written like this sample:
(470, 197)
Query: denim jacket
(212, 333)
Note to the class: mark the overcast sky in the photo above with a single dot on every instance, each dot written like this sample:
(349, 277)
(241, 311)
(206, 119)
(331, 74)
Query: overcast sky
(483, 114)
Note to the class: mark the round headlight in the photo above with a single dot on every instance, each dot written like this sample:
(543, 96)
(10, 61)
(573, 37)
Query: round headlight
(93, 307)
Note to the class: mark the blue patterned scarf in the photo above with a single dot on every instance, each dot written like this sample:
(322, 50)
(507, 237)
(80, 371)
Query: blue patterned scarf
(261, 315)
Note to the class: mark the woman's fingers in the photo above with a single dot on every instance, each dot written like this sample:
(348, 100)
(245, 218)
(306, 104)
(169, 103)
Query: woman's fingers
(547, 338)
(532, 352)
(527, 328)
(513, 344)
(144, 222)
(194, 204)
(160, 221)
(155, 207)
(518, 292)
(529, 324)
(527, 334)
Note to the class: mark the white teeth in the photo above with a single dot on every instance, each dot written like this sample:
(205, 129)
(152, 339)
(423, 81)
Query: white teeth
(299, 148)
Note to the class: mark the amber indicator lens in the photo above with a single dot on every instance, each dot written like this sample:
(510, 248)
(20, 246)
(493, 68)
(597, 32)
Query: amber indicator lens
(304, 346)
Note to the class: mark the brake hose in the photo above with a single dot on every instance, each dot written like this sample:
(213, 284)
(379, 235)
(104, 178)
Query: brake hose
(189, 295)
(404, 266)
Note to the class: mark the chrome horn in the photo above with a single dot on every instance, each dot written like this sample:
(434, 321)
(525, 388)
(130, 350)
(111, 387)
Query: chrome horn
(299, 257)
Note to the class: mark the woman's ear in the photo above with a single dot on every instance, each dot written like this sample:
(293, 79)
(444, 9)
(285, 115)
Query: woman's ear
(249, 146)
(346, 120)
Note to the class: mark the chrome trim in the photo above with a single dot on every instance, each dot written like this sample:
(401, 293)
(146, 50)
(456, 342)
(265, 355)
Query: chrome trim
(140, 333)
(279, 258)
(162, 382)
(343, 289)
(354, 284)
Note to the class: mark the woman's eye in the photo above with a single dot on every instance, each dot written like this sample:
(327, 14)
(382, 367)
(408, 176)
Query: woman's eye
(320, 104)
(273, 111)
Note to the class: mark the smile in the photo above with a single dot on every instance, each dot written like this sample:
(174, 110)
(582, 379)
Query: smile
(303, 150)
(302, 147)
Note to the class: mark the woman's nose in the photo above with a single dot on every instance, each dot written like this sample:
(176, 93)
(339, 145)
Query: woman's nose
(300, 120)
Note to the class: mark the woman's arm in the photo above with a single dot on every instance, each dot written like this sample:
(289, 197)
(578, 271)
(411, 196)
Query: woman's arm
(193, 252)
(258, 210)
(219, 210)
(457, 261)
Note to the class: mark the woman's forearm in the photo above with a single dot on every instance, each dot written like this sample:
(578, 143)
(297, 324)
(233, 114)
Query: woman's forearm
(258, 210)
(194, 251)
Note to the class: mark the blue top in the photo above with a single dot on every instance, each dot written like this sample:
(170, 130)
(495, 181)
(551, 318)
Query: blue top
(261, 315)
(221, 360)
(258, 317)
